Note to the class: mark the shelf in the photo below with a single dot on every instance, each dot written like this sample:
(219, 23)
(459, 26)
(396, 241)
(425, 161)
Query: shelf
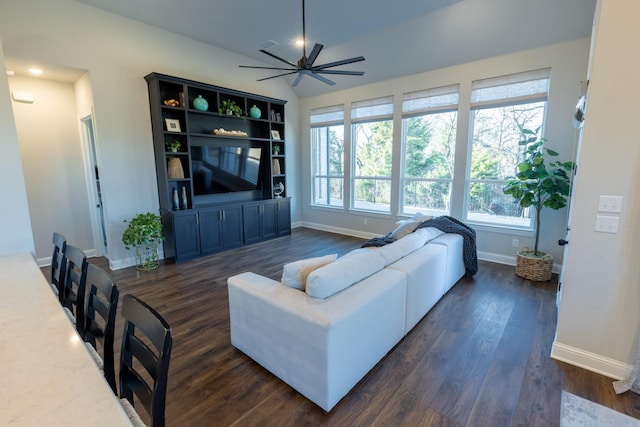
(195, 127)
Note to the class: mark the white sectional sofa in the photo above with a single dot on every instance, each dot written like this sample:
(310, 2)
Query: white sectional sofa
(323, 340)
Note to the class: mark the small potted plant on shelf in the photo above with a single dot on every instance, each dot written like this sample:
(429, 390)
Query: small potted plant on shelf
(230, 108)
(276, 149)
(144, 234)
(538, 183)
(173, 145)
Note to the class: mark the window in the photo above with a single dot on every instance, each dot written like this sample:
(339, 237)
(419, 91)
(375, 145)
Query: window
(500, 108)
(372, 142)
(429, 119)
(327, 152)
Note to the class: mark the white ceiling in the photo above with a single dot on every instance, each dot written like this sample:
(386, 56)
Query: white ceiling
(397, 38)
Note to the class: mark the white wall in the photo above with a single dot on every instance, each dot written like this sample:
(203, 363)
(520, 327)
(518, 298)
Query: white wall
(15, 225)
(53, 163)
(568, 62)
(118, 53)
(599, 316)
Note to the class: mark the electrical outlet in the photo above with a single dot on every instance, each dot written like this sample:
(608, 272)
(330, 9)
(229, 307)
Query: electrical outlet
(515, 243)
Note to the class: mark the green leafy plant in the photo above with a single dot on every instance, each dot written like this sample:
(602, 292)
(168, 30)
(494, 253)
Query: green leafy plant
(173, 145)
(229, 107)
(143, 234)
(276, 149)
(539, 182)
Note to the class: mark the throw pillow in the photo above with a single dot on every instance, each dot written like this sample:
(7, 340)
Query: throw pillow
(404, 228)
(294, 274)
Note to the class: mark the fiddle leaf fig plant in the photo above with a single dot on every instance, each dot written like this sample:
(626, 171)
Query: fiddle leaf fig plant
(143, 234)
(539, 181)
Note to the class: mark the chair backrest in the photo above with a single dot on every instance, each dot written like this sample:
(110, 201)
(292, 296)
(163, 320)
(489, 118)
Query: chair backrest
(72, 296)
(100, 317)
(144, 328)
(58, 261)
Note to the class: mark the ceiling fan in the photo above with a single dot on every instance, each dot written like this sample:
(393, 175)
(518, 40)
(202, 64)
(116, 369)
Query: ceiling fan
(305, 66)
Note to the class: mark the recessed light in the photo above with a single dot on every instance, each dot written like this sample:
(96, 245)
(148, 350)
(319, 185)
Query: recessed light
(35, 71)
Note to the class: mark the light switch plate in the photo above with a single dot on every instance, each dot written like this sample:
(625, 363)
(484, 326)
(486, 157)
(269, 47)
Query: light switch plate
(611, 204)
(607, 224)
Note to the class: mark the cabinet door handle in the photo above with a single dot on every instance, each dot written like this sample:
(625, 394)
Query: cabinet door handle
(197, 218)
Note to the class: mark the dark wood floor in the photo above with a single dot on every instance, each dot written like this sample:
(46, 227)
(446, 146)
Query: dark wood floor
(479, 358)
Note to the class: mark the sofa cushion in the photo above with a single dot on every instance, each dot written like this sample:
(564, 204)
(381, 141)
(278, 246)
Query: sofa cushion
(391, 253)
(411, 242)
(294, 274)
(332, 278)
(430, 232)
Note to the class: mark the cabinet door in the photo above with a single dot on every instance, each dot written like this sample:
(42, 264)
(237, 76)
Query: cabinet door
(284, 217)
(185, 232)
(251, 219)
(231, 226)
(268, 220)
(210, 238)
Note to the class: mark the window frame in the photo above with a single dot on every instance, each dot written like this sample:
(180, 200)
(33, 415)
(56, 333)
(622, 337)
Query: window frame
(476, 105)
(325, 118)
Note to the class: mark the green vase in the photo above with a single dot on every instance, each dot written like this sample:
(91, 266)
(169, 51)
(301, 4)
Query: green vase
(200, 103)
(255, 112)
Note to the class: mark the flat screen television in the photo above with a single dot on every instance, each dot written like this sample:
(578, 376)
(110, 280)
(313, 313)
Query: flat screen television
(218, 168)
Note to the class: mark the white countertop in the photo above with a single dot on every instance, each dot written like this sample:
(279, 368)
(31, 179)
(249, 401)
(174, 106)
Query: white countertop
(47, 377)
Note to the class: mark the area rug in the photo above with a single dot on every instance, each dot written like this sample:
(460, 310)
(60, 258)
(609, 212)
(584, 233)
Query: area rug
(578, 412)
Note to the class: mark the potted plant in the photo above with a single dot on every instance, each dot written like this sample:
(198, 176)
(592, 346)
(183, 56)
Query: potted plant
(230, 108)
(539, 183)
(143, 234)
(276, 149)
(173, 145)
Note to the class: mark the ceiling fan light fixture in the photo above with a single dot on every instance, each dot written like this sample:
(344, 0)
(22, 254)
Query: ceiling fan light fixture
(304, 66)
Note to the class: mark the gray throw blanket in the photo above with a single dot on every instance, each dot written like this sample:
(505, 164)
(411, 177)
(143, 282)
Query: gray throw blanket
(451, 225)
(448, 225)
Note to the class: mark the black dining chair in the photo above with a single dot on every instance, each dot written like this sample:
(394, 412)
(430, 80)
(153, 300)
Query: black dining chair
(100, 318)
(139, 360)
(72, 295)
(58, 262)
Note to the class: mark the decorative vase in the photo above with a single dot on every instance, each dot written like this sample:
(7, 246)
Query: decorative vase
(255, 112)
(176, 206)
(184, 197)
(174, 169)
(200, 103)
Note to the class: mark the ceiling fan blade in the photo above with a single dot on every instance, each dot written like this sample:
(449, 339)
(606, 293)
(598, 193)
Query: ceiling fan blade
(322, 79)
(343, 72)
(279, 75)
(313, 55)
(279, 59)
(295, 83)
(338, 63)
(267, 68)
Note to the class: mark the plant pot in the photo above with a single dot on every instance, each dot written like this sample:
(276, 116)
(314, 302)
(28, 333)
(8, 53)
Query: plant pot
(534, 267)
(147, 257)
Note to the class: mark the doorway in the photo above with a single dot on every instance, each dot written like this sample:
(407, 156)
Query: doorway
(94, 187)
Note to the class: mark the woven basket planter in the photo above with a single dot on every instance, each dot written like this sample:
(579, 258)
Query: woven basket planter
(534, 268)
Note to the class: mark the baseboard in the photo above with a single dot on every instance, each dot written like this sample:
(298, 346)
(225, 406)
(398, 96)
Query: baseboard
(46, 261)
(590, 361)
(338, 230)
(509, 260)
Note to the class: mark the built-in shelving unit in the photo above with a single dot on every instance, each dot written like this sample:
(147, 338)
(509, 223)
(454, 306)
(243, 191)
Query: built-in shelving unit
(226, 159)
